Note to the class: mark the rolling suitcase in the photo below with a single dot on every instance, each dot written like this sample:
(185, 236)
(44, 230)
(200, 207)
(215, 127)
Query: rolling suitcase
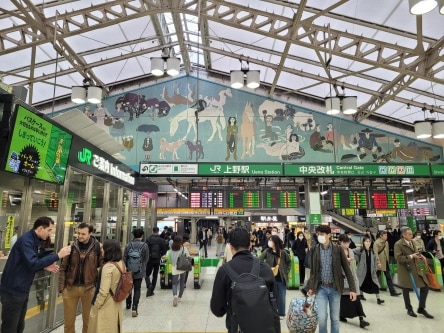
(302, 315)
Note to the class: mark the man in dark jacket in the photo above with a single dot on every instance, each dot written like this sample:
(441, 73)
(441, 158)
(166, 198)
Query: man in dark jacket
(23, 262)
(328, 261)
(78, 277)
(242, 262)
(140, 246)
(157, 248)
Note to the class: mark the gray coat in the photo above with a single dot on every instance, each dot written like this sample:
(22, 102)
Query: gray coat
(402, 256)
(346, 291)
(362, 266)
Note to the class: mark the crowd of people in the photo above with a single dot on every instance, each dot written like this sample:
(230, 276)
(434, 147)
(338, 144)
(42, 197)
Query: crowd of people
(338, 274)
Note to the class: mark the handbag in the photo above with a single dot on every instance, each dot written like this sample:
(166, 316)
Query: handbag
(275, 269)
(184, 262)
(433, 281)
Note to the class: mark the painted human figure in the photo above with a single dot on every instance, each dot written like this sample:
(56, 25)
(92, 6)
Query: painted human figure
(413, 153)
(268, 120)
(147, 148)
(367, 144)
(232, 136)
(58, 154)
(291, 150)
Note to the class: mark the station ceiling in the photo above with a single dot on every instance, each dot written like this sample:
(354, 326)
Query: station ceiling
(376, 50)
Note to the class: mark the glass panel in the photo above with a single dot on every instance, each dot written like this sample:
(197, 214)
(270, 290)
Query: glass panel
(113, 216)
(99, 214)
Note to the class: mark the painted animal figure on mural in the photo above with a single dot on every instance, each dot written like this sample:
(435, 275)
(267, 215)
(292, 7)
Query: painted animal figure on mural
(214, 115)
(177, 98)
(197, 148)
(247, 131)
(220, 100)
(172, 147)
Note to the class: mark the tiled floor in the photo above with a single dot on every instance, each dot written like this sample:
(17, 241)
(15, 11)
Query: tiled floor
(157, 314)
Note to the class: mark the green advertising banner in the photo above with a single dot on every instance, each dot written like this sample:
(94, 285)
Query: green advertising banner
(225, 169)
(356, 170)
(38, 149)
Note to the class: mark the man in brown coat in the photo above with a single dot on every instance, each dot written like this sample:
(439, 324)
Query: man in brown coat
(78, 276)
(381, 249)
(409, 260)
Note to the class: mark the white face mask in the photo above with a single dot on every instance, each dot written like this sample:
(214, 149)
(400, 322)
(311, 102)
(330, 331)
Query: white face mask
(270, 244)
(418, 237)
(274, 233)
(322, 239)
(301, 237)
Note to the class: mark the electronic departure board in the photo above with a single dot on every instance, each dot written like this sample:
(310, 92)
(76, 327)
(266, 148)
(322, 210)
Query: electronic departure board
(206, 198)
(280, 199)
(344, 197)
(394, 198)
(243, 199)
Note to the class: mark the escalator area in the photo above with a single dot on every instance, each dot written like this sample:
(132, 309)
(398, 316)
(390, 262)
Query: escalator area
(354, 225)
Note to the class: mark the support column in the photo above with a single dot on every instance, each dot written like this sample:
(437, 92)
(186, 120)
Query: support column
(193, 230)
(438, 193)
(312, 203)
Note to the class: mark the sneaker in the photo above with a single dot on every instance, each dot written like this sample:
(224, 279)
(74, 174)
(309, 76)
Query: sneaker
(179, 299)
(134, 313)
(175, 300)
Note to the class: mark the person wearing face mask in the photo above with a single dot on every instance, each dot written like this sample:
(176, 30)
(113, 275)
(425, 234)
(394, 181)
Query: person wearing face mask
(419, 243)
(436, 246)
(381, 250)
(300, 249)
(368, 279)
(280, 264)
(350, 309)
(328, 264)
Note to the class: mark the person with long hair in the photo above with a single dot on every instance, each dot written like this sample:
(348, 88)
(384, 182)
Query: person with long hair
(349, 308)
(300, 249)
(366, 272)
(106, 314)
(177, 249)
(280, 263)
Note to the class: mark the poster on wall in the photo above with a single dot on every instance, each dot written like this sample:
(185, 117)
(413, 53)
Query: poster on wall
(38, 149)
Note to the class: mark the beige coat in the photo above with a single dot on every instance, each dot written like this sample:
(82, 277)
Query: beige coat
(402, 256)
(106, 315)
(381, 249)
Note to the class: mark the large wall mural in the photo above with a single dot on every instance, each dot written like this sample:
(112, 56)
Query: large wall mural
(190, 120)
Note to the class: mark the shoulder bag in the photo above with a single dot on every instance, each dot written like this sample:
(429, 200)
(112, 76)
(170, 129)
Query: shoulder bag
(433, 281)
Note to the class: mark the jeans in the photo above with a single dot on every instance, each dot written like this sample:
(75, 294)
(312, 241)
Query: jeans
(152, 267)
(178, 280)
(281, 293)
(137, 284)
(71, 299)
(13, 313)
(328, 296)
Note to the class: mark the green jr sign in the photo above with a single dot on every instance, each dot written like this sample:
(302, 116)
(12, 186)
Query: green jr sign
(353, 170)
(223, 169)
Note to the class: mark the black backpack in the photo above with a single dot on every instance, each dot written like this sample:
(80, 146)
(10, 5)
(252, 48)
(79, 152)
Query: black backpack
(253, 307)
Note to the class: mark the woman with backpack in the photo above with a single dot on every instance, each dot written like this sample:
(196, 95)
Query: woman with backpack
(136, 256)
(280, 263)
(177, 249)
(106, 314)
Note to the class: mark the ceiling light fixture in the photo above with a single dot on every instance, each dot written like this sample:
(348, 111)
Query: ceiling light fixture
(172, 64)
(238, 77)
(347, 104)
(441, 6)
(429, 127)
(420, 7)
(86, 93)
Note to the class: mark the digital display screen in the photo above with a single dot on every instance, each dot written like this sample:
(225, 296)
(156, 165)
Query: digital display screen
(388, 198)
(355, 198)
(38, 149)
(243, 199)
(280, 199)
(206, 198)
